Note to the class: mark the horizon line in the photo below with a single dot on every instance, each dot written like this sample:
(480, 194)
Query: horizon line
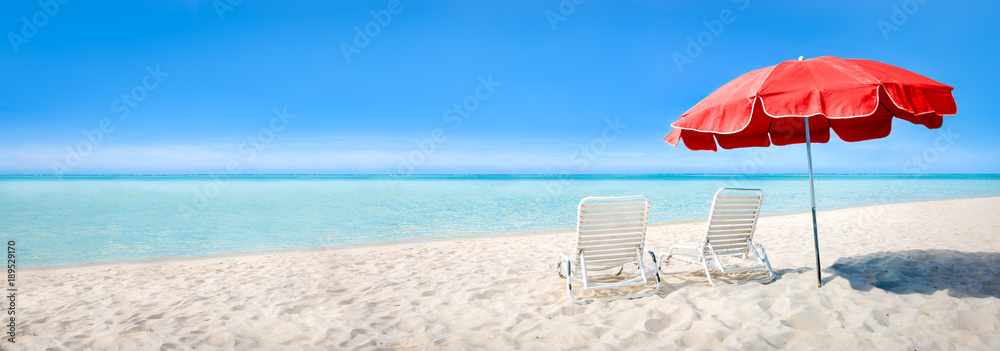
(468, 174)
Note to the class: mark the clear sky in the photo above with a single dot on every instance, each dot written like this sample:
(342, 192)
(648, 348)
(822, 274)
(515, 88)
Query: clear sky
(458, 86)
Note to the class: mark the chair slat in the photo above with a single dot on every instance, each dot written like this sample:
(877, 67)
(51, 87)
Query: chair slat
(735, 220)
(625, 258)
(728, 241)
(736, 202)
(612, 210)
(627, 225)
(587, 217)
(747, 223)
(597, 233)
(611, 261)
(612, 234)
(609, 246)
(595, 247)
(640, 205)
(604, 240)
(731, 251)
(732, 214)
(718, 232)
(743, 236)
(609, 254)
(735, 207)
(736, 226)
(635, 218)
(723, 244)
(739, 197)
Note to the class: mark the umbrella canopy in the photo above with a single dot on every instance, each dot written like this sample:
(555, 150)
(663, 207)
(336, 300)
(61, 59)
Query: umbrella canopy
(800, 101)
(855, 98)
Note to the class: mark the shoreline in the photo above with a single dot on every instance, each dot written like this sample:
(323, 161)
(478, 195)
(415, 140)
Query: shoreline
(919, 275)
(419, 241)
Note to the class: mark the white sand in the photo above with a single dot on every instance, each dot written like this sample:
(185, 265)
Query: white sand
(903, 276)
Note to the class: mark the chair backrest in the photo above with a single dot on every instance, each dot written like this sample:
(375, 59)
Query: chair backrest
(610, 230)
(733, 219)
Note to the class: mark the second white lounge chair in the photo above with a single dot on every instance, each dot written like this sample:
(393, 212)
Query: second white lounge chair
(729, 234)
(611, 237)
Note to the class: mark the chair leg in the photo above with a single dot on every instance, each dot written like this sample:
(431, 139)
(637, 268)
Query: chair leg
(656, 267)
(708, 273)
(762, 256)
(642, 270)
(569, 284)
(656, 264)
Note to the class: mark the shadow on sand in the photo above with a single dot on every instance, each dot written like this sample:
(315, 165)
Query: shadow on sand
(962, 274)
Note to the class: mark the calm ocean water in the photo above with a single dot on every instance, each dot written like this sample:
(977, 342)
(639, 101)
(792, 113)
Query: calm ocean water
(95, 219)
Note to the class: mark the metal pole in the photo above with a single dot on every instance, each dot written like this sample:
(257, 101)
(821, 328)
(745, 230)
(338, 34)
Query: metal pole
(812, 198)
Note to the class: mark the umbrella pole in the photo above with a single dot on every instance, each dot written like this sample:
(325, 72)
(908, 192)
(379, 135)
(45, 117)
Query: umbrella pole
(812, 199)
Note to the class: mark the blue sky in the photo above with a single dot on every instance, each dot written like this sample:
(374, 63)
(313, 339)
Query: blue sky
(541, 86)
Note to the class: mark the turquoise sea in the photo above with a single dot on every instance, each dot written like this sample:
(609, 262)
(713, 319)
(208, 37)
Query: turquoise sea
(59, 221)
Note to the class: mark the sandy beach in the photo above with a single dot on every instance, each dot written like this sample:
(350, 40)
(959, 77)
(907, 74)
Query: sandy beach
(913, 276)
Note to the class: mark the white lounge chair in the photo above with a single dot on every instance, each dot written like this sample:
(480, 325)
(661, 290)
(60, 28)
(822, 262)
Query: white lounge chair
(729, 234)
(611, 236)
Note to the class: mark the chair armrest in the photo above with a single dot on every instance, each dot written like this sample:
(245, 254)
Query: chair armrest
(656, 260)
(563, 257)
(564, 263)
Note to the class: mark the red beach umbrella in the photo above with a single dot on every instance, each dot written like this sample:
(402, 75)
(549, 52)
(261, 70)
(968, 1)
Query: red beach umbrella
(800, 101)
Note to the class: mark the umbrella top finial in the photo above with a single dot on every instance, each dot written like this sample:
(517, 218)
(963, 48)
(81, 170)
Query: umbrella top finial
(801, 57)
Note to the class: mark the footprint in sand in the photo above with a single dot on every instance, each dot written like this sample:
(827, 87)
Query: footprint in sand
(358, 331)
(807, 321)
(655, 325)
(486, 295)
(170, 346)
(569, 310)
(524, 316)
(296, 309)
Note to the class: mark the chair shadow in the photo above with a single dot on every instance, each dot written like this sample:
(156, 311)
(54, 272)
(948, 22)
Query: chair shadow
(961, 274)
(694, 275)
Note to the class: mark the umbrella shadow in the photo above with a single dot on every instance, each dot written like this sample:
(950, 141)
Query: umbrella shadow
(961, 274)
